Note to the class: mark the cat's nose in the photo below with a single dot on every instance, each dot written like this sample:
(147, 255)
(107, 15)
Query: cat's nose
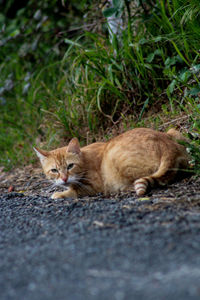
(64, 179)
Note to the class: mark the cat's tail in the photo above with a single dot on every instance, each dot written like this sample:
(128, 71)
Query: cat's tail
(161, 177)
(164, 175)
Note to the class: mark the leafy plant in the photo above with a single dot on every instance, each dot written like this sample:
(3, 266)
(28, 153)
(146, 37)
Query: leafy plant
(55, 85)
(194, 134)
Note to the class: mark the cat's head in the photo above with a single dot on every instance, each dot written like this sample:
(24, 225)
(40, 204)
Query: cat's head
(62, 165)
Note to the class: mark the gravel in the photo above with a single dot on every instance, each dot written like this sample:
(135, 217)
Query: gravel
(113, 248)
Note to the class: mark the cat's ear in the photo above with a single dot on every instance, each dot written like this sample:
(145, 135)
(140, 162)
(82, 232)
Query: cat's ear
(74, 146)
(41, 154)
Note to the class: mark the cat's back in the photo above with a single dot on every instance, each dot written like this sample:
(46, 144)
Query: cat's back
(137, 153)
(133, 145)
(92, 155)
(138, 138)
(145, 138)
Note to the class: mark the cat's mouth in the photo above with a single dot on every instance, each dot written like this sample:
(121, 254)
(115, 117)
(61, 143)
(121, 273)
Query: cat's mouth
(71, 179)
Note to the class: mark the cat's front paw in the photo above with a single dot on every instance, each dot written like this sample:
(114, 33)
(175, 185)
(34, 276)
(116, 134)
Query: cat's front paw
(57, 195)
(66, 194)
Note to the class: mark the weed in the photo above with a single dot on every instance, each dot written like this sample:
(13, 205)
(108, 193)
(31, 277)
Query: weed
(100, 82)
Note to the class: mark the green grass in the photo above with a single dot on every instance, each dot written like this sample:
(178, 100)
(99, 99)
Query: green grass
(98, 84)
(193, 147)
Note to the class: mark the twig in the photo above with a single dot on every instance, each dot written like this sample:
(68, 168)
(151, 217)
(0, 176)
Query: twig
(175, 120)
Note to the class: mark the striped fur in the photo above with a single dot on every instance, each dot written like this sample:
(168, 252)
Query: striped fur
(141, 185)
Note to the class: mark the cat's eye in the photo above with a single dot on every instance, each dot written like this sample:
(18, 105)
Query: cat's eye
(70, 166)
(54, 170)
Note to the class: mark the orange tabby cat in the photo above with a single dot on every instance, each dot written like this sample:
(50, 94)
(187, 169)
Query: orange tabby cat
(138, 158)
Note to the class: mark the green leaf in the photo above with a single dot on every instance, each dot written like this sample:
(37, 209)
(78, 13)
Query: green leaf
(158, 39)
(158, 52)
(143, 41)
(173, 60)
(115, 42)
(150, 57)
(108, 12)
(145, 105)
(184, 76)
(67, 41)
(116, 3)
(171, 86)
(15, 33)
(194, 91)
(2, 19)
(195, 68)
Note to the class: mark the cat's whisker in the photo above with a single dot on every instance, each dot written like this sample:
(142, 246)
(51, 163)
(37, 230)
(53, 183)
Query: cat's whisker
(81, 185)
(84, 187)
(79, 178)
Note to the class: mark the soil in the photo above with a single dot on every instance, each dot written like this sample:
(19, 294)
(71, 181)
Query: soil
(118, 247)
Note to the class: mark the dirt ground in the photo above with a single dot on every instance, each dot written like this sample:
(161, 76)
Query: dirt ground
(30, 181)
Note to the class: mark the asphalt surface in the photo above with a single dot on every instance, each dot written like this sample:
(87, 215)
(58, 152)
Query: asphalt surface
(98, 248)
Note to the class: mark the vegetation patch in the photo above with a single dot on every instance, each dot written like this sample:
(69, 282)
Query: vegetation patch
(66, 72)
